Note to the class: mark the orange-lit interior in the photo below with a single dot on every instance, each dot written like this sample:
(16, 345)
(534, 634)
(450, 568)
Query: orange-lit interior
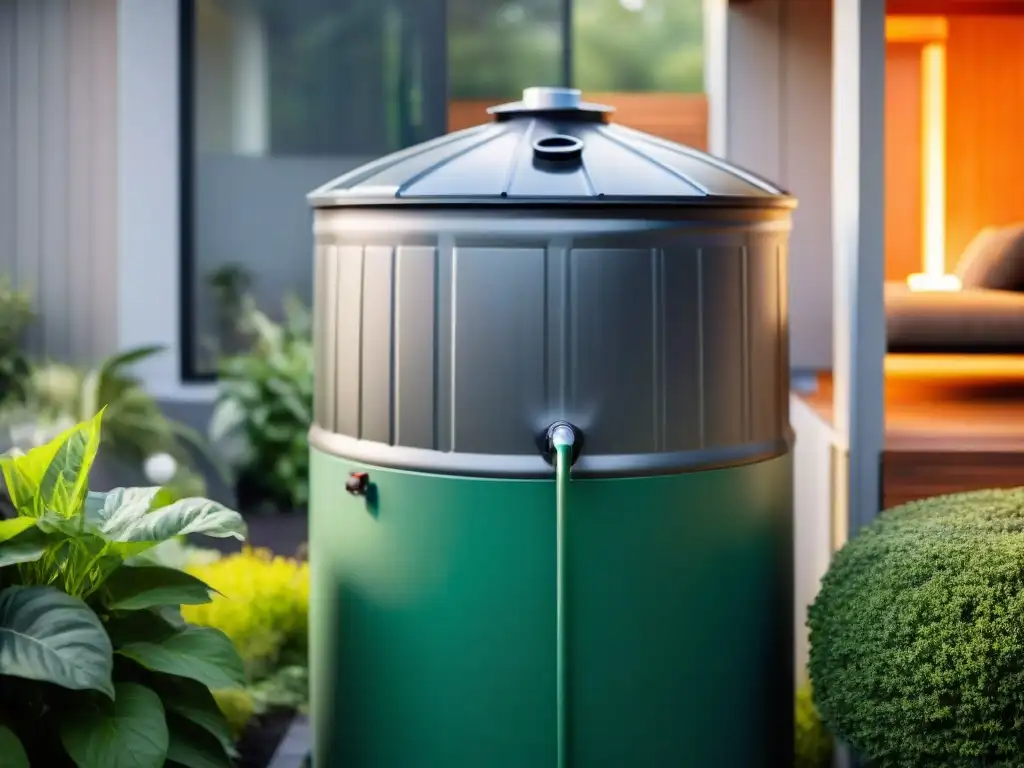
(931, 32)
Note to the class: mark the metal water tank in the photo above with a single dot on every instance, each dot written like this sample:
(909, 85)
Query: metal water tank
(551, 514)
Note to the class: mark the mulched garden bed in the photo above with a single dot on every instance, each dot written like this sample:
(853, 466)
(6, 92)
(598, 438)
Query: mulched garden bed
(262, 737)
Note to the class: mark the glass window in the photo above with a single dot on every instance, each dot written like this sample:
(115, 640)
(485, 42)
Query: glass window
(496, 48)
(638, 46)
(280, 96)
(286, 95)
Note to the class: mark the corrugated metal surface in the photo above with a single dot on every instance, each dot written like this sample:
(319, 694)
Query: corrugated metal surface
(656, 336)
(58, 175)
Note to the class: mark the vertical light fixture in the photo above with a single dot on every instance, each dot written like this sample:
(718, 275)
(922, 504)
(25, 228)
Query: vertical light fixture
(933, 173)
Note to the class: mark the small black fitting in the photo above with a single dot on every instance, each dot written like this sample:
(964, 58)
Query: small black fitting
(358, 483)
(548, 445)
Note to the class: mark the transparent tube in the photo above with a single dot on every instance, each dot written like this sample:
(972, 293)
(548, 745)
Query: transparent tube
(563, 466)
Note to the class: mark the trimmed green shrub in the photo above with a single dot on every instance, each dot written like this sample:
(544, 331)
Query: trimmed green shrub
(917, 635)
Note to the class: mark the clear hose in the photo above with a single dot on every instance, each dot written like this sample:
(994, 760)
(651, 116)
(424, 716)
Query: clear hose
(563, 442)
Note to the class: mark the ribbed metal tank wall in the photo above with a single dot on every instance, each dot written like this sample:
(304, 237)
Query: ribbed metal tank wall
(458, 333)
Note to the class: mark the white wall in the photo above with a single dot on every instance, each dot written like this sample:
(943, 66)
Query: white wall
(148, 176)
(813, 509)
(779, 124)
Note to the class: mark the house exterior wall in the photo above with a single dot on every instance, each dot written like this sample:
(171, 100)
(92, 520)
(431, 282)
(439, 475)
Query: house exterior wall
(58, 170)
(779, 124)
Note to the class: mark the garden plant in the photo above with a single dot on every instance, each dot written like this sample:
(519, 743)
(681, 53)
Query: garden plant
(262, 604)
(134, 426)
(917, 648)
(98, 668)
(265, 407)
(813, 742)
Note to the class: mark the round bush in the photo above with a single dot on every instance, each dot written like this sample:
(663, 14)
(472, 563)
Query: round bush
(917, 635)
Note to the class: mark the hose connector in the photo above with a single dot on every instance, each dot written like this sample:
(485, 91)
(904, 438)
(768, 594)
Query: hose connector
(563, 433)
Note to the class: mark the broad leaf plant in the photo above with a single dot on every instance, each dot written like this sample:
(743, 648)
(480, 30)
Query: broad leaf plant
(97, 667)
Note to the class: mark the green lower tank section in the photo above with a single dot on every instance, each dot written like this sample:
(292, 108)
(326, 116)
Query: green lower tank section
(433, 631)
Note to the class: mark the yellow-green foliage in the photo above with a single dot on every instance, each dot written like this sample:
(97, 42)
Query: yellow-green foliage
(813, 742)
(262, 606)
(238, 707)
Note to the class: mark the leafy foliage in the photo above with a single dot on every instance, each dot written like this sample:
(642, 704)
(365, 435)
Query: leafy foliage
(98, 669)
(285, 688)
(917, 654)
(262, 605)
(813, 742)
(135, 428)
(15, 316)
(238, 707)
(265, 407)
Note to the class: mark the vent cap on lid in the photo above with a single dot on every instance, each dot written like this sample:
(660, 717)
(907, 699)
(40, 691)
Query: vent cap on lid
(553, 148)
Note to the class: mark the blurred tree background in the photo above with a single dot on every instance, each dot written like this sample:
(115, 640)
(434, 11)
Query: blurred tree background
(498, 47)
(347, 76)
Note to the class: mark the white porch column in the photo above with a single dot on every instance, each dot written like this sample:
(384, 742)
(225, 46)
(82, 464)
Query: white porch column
(858, 196)
(716, 73)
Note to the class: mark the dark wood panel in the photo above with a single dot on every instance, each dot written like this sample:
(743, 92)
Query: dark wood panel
(955, 7)
(946, 434)
(909, 476)
(985, 112)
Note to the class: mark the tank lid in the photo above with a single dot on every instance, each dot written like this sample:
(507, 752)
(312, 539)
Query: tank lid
(552, 102)
(550, 148)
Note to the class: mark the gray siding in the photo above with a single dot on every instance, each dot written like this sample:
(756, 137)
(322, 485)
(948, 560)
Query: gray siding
(58, 170)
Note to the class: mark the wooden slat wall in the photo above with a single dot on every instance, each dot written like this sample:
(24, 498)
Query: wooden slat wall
(985, 126)
(903, 193)
(58, 175)
(985, 154)
(680, 117)
(913, 475)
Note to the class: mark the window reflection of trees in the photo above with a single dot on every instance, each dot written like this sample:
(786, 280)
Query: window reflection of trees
(347, 76)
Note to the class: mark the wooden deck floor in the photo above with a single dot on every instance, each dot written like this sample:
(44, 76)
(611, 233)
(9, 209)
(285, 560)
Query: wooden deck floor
(953, 423)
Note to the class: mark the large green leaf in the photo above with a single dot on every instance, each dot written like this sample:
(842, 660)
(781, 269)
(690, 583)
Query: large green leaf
(94, 508)
(50, 636)
(194, 702)
(129, 732)
(193, 746)
(11, 528)
(66, 479)
(119, 507)
(151, 625)
(203, 654)
(178, 519)
(53, 476)
(133, 588)
(12, 752)
(27, 547)
(23, 474)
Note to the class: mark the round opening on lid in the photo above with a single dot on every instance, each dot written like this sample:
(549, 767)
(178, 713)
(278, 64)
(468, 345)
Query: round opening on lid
(558, 147)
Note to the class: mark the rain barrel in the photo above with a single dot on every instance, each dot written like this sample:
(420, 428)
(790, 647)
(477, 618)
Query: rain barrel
(551, 482)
